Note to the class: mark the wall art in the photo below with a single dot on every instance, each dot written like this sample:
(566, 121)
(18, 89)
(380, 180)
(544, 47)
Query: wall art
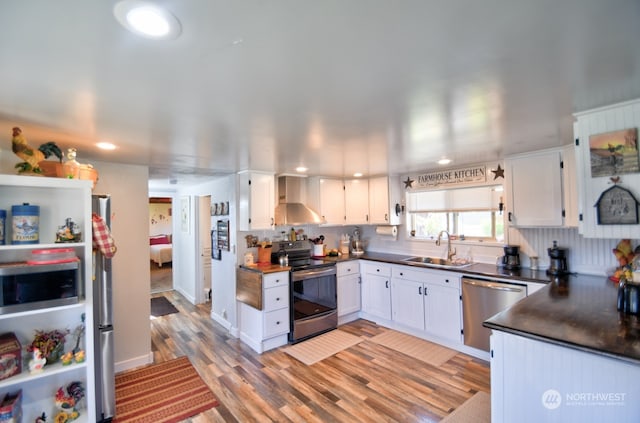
(617, 206)
(614, 153)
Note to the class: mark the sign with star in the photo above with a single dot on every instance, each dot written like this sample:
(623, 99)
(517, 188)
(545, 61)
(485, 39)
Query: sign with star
(460, 176)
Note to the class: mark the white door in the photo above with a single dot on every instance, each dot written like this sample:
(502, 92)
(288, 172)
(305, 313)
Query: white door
(203, 243)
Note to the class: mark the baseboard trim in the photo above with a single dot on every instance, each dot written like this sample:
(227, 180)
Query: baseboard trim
(132, 363)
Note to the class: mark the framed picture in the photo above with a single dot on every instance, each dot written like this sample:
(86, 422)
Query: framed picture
(614, 153)
(185, 212)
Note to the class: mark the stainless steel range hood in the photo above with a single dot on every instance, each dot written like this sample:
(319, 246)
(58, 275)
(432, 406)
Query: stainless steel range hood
(291, 209)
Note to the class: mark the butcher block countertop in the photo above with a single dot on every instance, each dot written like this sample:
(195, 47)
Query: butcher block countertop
(266, 268)
(578, 312)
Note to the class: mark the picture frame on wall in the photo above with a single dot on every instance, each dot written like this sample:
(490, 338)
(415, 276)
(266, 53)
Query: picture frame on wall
(614, 153)
(185, 212)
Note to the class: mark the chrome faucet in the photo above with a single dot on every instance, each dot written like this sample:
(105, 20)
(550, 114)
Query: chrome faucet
(450, 252)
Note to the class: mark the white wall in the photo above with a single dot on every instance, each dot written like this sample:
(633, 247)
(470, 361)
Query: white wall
(223, 278)
(128, 187)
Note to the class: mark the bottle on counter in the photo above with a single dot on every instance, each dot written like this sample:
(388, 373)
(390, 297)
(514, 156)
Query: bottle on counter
(292, 235)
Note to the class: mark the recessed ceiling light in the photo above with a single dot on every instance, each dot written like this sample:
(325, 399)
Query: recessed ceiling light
(301, 169)
(357, 175)
(147, 19)
(444, 161)
(106, 146)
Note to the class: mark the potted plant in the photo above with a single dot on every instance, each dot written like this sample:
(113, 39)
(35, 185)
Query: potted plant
(50, 344)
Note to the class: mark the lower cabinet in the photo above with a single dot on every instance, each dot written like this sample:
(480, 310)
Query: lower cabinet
(427, 300)
(267, 328)
(348, 288)
(376, 289)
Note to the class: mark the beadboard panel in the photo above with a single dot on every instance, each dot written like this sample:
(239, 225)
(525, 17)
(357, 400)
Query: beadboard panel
(584, 255)
(598, 121)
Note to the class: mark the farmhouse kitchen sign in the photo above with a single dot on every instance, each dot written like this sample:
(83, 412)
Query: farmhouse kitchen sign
(466, 175)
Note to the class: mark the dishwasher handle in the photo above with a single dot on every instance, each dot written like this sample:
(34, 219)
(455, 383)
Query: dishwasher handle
(494, 285)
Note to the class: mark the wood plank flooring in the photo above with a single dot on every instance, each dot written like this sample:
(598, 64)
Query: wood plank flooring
(365, 383)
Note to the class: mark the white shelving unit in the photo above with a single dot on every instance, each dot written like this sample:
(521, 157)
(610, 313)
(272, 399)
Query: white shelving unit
(58, 199)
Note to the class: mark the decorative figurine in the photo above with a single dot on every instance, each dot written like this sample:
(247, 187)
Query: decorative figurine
(67, 358)
(31, 156)
(67, 400)
(41, 419)
(79, 356)
(69, 232)
(37, 362)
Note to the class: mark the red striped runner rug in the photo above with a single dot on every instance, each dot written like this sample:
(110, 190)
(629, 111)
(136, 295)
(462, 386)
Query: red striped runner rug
(162, 393)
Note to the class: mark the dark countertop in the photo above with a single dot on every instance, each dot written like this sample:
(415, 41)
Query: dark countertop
(578, 312)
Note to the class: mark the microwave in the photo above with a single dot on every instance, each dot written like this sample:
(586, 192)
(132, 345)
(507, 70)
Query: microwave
(25, 287)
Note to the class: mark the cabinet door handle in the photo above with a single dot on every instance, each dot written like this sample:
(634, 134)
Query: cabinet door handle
(425, 290)
(272, 221)
(401, 274)
(420, 290)
(377, 270)
(446, 280)
(386, 284)
(278, 322)
(359, 279)
(509, 217)
(386, 217)
(278, 299)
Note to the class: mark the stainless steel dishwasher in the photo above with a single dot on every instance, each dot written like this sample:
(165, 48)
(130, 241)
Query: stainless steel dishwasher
(481, 299)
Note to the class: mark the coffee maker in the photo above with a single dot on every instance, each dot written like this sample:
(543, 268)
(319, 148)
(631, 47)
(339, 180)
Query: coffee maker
(511, 258)
(557, 260)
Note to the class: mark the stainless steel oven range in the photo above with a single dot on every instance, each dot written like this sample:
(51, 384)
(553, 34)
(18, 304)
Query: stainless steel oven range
(313, 290)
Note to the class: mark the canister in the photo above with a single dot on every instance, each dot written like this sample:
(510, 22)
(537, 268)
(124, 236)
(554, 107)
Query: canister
(3, 218)
(25, 227)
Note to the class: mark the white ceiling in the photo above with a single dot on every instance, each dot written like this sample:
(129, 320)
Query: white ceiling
(338, 86)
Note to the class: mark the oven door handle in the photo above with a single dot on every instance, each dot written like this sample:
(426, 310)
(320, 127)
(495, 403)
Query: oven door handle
(298, 275)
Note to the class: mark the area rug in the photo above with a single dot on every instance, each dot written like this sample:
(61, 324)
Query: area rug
(417, 348)
(166, 392)
(160, 306)
(476, 409)
(322, 346)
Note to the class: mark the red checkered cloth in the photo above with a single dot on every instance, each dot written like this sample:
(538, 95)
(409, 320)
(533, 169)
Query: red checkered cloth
(102, 239)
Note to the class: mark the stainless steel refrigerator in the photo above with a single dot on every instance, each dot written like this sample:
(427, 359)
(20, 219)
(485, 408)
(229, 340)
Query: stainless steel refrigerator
(103, 322)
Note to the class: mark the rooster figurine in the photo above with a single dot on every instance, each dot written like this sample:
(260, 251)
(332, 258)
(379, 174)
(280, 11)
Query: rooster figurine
(31, 156)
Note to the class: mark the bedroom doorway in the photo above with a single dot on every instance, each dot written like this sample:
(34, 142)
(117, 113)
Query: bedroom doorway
(160, 244)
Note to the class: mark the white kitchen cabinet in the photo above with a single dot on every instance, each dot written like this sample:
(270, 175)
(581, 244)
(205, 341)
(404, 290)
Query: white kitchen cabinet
(58, 199)
(427, 300)
(376, 289)
(326, 197)
(267, 328)
(598, 121)
(356, 201)
(534, 189)
(348, 276)
(256, 205)
(383, 197)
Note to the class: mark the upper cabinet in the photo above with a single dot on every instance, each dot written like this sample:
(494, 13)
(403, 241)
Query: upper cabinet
(605, 161)
(383, 197)
(534, 189)
(256, 204)
(356, 201)
(326, 197)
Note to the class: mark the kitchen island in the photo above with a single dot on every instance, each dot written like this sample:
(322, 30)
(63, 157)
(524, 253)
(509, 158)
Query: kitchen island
(566, 354)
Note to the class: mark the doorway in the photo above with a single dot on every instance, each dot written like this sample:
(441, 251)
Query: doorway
(160, 244)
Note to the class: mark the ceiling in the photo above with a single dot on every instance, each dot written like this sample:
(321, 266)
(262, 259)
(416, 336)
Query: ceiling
(338, 86)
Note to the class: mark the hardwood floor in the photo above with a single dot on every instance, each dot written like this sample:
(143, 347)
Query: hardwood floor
(365, 383)
(161, 277)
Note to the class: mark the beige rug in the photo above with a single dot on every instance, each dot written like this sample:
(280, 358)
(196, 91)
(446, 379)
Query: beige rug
(322, 346)
(476, 409)
(420, 349)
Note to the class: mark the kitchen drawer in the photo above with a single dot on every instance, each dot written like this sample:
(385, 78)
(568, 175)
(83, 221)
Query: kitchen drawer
(276, 323)
(275, 298)
(271, 280)
(377, 269)
(348, 268)
(434, 277)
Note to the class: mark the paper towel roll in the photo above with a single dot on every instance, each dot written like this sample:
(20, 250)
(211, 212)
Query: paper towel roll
(387, 231)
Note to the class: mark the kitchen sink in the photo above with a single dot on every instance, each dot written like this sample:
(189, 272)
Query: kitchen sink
(439, 262)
